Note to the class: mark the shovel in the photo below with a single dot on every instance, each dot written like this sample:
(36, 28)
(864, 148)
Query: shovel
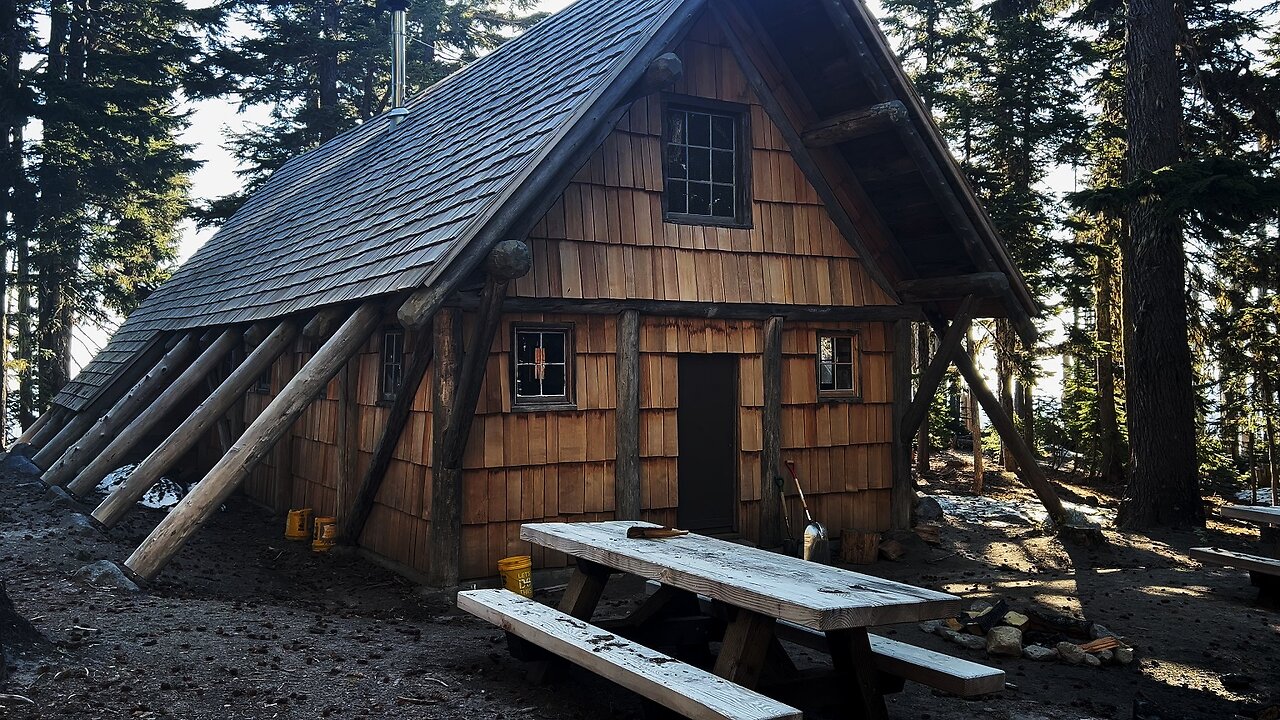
(814, 546)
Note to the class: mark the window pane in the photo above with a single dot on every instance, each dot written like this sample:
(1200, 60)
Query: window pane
(699, 164)
(699, 129)
(676, 120)
(844, 377)
(677, 196)
(553, 383)
(826, 376)
(722, 132)
(825, 352)
(526, 383)
(722, 201)
(553, 342)
(699, 199)
(722, 169)
(844, 349)
(678, 161)
(526, 344)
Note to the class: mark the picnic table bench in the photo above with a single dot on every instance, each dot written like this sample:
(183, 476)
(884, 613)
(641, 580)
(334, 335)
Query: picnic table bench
(1264, 572)
(752, 593)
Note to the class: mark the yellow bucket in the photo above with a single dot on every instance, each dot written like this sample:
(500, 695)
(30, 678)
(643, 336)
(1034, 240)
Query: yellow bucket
(297, 526)
(517, 574)
(326, 534)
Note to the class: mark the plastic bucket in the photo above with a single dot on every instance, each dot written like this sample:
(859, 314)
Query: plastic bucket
(326, 534)
(517, 574)
(297, 526)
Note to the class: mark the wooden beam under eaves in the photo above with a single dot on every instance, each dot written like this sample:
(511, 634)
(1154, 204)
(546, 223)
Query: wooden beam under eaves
(856, 124)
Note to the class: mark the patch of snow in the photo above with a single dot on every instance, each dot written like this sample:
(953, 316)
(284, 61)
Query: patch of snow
(1264, 496)
(1006, 513)
(162, 496)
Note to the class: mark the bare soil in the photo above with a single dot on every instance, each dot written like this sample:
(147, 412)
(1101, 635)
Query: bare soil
(247, 625)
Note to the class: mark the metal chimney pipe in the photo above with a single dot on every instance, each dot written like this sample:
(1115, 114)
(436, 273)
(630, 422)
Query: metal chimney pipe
(397, 53)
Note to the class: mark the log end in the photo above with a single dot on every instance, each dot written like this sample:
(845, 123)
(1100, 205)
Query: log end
(509, 260)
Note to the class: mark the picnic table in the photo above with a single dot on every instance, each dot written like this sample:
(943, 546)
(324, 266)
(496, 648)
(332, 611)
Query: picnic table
(754, 593)
(1264, 572)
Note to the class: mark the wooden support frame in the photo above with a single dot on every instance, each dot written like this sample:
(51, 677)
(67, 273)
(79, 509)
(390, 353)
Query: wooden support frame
(183, 386)
(903, 497)
(120, 414)
(446, 485)
(397, 415)
(259, 438)
(207, 415)
(937, 369)
(981, 285)
(626, 480)
(856, 124)
(771, 516)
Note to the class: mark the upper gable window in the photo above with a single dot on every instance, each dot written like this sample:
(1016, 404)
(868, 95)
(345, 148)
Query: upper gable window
(705, 163)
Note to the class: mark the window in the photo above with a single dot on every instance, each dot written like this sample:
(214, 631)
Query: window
(838, 371)
(542, 365)
(262, 385)
(392, 374)
(705, 163)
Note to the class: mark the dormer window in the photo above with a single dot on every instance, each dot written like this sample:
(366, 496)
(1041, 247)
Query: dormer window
(705, 161)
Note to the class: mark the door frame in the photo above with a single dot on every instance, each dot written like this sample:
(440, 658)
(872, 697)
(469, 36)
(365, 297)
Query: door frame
(735, 520)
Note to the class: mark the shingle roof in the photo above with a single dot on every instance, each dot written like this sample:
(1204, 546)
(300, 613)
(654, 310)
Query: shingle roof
(371, 211)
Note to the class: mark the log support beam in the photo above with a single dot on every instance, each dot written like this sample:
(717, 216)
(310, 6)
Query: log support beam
(209, 414)
(446, 485)
(191, 379)
(626, 480)
(257, 441)
(932, 376)
(856, 124)
(508, 260)
(120, 414)
(716, 311)
(980, 285)
(771, 516)
(904, 489)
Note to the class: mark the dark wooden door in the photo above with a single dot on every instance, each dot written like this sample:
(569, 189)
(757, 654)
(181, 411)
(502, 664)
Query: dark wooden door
(707, 419)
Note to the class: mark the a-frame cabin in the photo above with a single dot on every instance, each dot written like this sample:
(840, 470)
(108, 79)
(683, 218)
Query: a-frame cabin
(626, 266)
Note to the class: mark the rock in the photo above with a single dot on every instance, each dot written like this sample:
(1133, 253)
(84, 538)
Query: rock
(928, 510)
(1235, 681)
(57, 496)
(16, 462)
(973, 642)
(104, 574)
(77, 524)
(979, 606)
(1106, 656)
(1092, 660)
(1071, 653)
(1016, 619)
(1124, 655)
(931, 626)
(1004, 641)
(1039, 653)
(1097, 631)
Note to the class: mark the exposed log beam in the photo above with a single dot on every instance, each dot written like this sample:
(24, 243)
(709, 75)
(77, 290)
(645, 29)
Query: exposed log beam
(1028, 464)
(112, 456)
(33, 430)
(932, 375)
(722, 311)
(982, 285)
(771, 435)
(662, 74)
(853, 125)
(446, 486)
(205, 416)
(259, 438)
(120, 414)
(626, 476)
(322, 324)
(866, 62)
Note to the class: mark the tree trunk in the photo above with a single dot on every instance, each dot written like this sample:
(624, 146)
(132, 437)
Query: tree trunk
(1004, 383)
(1111, 446)
(1163, 485)
(975, 426)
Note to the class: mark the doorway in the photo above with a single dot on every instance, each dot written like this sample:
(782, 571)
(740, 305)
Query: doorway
(707, 421)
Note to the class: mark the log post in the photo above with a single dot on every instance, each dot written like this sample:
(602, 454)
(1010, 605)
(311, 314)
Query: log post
(33, 430)
(261, 436)
(446, 485)
(771, 516)
(923, 449)
(397, 415)
(119, 415)
(283, 497)
(187, 383)
(626, 479)
(348, 443)
(904, 489)
(1031, 473)
(185, 436)
(948, 348)
(510, 259)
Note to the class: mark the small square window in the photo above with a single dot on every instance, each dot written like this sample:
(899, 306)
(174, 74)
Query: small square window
(839, 374)
(542, 365)
(392, 375)
(705, 164)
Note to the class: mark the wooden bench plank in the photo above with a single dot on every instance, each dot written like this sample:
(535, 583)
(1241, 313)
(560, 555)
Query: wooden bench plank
(692, 692)
(779, 586)
(1239, 560)
(927, 667)
(1252, 513)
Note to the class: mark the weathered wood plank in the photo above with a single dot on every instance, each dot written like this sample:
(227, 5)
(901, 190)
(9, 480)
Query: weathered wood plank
(626, 483)
(1252, 513)
(813, 595)
(1238, 560)
(683, 688)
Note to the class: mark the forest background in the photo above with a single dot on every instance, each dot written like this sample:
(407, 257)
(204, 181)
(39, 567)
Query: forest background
(1152, 237)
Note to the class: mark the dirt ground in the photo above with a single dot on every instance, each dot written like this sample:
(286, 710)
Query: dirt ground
(246, 625)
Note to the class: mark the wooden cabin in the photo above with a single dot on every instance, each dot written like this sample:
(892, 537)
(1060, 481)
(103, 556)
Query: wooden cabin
(643, 257)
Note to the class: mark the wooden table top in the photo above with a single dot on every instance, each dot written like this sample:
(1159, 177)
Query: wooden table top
(816, 596)
(1254, 513)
